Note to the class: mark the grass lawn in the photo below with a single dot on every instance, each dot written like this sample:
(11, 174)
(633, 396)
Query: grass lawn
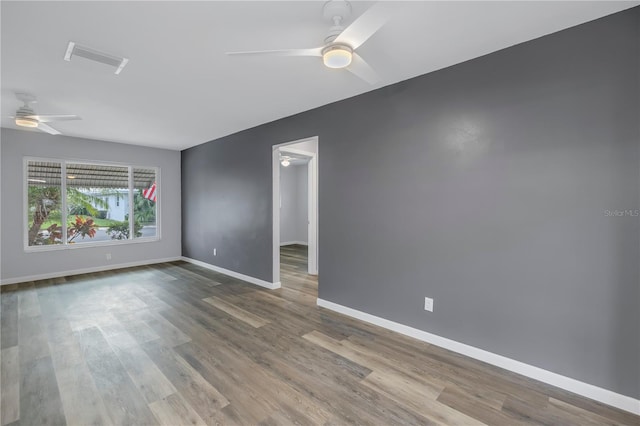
(55, 218)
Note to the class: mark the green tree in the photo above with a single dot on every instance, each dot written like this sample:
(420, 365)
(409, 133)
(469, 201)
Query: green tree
(120, 230)
(144, 210)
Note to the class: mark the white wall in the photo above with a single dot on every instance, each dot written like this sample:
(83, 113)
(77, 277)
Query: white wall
(293, 206)
(16, 264)
(302, 198)
(118, 206)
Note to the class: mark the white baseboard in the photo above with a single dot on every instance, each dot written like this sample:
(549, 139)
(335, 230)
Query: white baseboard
(590, 391)
(288, 243)
(252, 280)
(85, 270)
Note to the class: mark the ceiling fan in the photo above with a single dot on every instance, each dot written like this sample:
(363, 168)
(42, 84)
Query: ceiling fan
(289, 158)
(340, 45)
(26, 116)
(285, 160)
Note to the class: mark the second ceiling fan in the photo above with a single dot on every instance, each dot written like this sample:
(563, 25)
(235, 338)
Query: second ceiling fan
(339, 48)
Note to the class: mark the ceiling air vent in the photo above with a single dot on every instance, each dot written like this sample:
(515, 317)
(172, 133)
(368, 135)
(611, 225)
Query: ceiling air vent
(74, 49)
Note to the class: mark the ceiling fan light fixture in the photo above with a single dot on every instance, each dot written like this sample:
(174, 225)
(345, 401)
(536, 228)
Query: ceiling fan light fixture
(74, 49)
(337, 56)
(26, 122)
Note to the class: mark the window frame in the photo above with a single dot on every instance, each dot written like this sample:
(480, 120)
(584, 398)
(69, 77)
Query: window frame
(63, 206)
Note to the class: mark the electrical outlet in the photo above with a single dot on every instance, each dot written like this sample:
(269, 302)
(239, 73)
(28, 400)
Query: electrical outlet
(215, 251)
(428, 304)
(108, 256)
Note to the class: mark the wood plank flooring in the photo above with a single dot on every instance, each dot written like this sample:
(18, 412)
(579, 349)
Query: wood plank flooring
(174, 344)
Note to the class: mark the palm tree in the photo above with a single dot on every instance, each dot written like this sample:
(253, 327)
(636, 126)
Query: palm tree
(44, 200)
(81, 201)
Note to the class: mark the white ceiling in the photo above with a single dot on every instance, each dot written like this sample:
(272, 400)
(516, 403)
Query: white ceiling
(180, 89)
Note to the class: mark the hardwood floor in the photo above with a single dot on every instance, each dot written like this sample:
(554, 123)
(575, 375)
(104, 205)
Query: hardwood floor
(175, 344)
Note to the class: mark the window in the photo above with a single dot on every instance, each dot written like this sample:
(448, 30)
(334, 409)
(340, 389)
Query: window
(44, 204)
(98, 201)
(145, 199)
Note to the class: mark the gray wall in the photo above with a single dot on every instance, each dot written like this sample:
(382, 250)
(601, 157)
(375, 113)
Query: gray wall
(16, 144)
(293, 204)
(484, 186)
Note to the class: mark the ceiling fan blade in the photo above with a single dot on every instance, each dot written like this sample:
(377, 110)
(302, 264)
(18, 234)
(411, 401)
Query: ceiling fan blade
(360, 68)
(366, 24)
(316, 51)
(47, 118)
(48, 129)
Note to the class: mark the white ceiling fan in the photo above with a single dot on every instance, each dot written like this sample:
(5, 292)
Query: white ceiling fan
(340, 45)
(27, 117)
(289, 158)
(285, 160)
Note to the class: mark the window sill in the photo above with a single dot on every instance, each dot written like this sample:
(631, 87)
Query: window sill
(76, 246)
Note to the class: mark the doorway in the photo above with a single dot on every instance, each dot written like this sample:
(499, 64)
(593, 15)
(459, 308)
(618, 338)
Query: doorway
(295, 206)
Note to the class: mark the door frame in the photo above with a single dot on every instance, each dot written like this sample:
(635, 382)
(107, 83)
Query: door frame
(312, 204)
